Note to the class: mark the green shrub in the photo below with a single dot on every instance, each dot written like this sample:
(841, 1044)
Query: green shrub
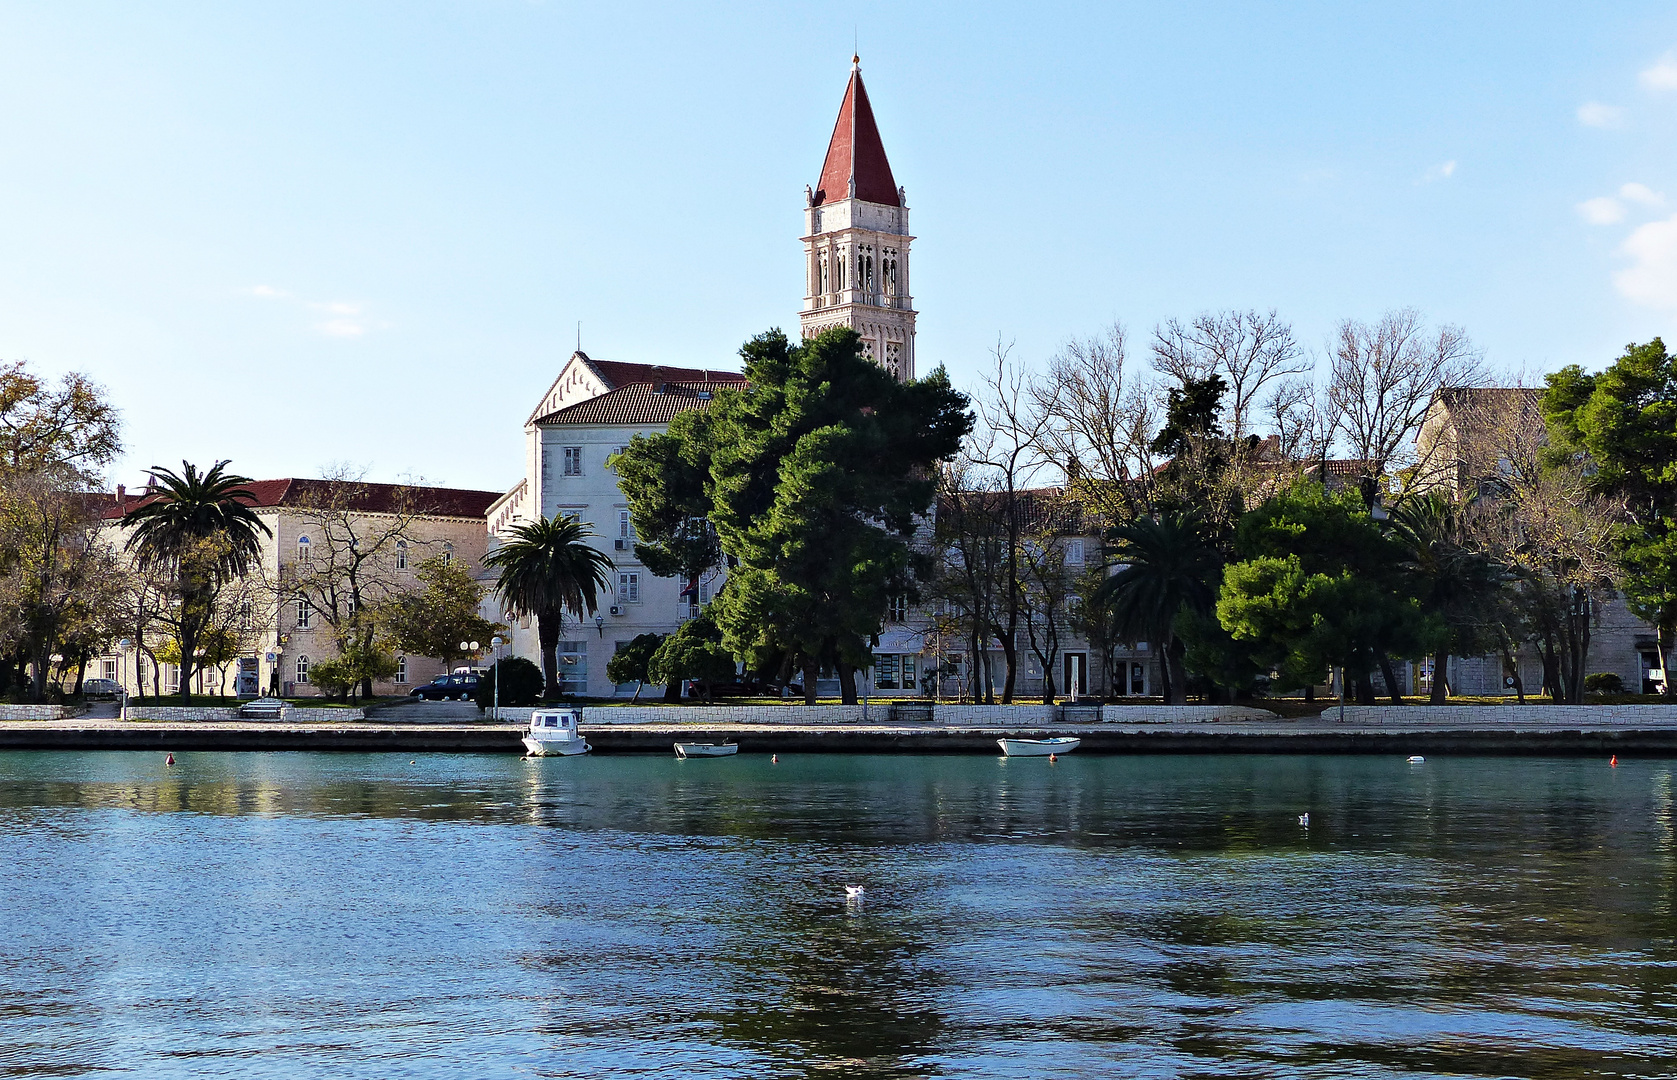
(1604, 682)
(521, 683)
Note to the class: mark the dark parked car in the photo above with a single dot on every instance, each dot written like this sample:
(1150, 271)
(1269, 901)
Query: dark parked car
(447, 688)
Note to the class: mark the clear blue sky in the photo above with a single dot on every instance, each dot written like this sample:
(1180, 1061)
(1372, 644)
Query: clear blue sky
(291, 234)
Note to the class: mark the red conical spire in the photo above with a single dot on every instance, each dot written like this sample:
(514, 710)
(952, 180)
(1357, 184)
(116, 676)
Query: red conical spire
(856, 152)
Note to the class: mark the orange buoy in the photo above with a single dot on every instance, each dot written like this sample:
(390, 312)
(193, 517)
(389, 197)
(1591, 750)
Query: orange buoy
(1053, 757)
(774, 759)
(1613, 762)
(169, 760)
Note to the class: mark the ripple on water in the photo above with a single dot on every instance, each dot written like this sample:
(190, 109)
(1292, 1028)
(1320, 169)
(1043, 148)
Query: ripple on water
(350, 915)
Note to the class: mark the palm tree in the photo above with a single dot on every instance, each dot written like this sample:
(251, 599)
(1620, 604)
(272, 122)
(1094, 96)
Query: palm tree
(200, 530)
(547, 569)
(1167, 564)
(1454, 582)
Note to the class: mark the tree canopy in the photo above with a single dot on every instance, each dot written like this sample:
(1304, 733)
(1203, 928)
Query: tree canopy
(814, 478)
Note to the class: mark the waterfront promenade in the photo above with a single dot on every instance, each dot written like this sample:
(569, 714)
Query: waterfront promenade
(1576, 731)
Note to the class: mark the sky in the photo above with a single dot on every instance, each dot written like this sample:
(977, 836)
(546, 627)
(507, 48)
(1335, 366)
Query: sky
(298, 235)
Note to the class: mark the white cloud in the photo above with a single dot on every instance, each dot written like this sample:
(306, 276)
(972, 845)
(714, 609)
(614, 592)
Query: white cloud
(1642, 193)
(1652, 279)
(1601, 211)
(1442, 171)
(267, 292)
(1595, 114)
(341, 328)
(1662, 76)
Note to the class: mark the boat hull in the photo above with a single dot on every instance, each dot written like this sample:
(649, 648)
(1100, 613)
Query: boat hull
(1038, 747)
(693, 750)
(556, 747)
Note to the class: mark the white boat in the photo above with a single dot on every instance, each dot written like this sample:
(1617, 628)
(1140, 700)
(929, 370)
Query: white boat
(553, 733)
(705, 749)
(1039, 747)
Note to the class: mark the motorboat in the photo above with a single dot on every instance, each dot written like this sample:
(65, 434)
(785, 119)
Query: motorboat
(705, 749)
(553, 733)
(1039, 747)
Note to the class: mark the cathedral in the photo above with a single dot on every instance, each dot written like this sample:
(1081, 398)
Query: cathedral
(856, 248)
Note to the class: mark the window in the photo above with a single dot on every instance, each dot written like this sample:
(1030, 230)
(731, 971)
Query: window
(448, 554)
(401, 669)
(302, 669)
(1074, 552)
(349, 604)
(172, 677)
(302, 549)
(547, 470)
(573, 667)
(704, 591)
(573, 461)
(625, 526)
(898, 611)
(107, 668)
(629, 587)
(304, 613)
(244, 614)
(894, 671)
(619, 450)
(401, 554)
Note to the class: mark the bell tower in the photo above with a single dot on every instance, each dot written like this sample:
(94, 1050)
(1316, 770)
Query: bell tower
(856, 240)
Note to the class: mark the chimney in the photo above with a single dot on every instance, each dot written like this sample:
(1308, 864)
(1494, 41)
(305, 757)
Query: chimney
(121, 494)
(1074, 470)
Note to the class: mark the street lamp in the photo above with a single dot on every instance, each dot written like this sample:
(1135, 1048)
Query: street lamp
(600, 624)
(495, 643)
(122, 648)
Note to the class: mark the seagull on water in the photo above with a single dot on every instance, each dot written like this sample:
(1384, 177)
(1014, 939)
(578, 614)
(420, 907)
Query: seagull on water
(853, 892)
(1304, 819)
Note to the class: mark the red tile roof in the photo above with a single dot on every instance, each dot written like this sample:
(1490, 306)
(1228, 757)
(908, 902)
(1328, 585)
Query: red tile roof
(616, 373)
(856, 150)
(367, 498)
(639, 403)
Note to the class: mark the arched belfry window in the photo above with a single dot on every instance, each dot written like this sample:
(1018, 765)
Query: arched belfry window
(401, 554)
(302, 549)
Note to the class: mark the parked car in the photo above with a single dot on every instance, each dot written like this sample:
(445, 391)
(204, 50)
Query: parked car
(101, 688)
(447, 688)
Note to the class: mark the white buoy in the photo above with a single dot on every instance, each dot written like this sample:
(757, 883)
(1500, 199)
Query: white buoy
(1416, 759)
(1304, 819)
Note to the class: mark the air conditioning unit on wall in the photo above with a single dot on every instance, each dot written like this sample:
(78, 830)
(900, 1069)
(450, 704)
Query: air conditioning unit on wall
(616, 610)
(622, 543)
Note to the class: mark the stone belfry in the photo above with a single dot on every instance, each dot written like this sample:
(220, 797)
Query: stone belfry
(856, 240)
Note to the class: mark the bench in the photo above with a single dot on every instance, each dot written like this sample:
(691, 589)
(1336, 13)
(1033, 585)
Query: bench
(263, 709)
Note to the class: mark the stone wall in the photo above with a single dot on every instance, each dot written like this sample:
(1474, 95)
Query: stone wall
(290, 715)
(1494, 716)
(1006, 716)
(34, 712)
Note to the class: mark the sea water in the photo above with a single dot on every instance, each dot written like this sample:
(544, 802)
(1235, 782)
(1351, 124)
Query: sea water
(384, 915)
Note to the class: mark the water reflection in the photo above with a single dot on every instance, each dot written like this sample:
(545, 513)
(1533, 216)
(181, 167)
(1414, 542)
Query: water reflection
(371, 915)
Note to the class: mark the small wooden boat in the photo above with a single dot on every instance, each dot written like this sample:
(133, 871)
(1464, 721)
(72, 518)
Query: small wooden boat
(553, 733)
(1039, 747)
(705, 749)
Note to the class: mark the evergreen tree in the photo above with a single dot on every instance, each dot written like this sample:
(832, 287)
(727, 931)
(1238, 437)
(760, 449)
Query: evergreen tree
(813, 478)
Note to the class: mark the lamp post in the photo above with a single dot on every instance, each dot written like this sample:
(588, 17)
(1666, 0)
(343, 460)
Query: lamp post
(600, 624)
(495, 643)
(122, 648)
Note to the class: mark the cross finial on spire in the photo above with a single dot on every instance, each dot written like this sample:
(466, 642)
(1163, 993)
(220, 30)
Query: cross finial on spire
(855, 61)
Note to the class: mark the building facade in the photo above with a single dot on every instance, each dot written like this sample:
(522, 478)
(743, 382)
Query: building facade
(282, 635)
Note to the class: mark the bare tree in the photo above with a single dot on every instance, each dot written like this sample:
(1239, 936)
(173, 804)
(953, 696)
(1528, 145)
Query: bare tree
(1006, 444)
(1555, 536)
(1096, 425)
(1247, 349)
(1383, 377)
(350, 565)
